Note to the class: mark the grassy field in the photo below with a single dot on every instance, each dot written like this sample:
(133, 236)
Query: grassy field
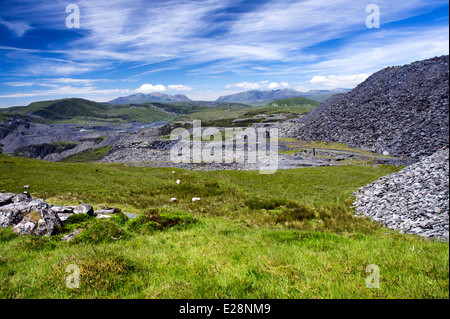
(224, 116)
(287, 235)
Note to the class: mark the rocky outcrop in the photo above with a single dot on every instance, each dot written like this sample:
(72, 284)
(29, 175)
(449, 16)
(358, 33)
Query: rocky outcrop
(42, 150)
(84, 209)
(28, 215)
(414, 200)
(402, 110)
(36, 217)
(11, 124)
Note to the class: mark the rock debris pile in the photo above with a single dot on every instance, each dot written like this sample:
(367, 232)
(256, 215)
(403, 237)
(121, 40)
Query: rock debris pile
(401, 110)
(414, 200)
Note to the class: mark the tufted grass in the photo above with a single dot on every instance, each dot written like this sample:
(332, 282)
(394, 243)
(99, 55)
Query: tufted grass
(287, 235)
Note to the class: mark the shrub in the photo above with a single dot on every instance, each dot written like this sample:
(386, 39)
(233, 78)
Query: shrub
(295, 214)
(269, 204)
(120, 219)
(156, 219)
(77, 219)
(32, 243)
(101, 231)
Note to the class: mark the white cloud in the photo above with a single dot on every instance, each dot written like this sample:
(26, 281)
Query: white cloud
(150, 88)
(273, 85)
(339, 81)
(19, 27)
(258, 85)
(178, 87)
(68, 91)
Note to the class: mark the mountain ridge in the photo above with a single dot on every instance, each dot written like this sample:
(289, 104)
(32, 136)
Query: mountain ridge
(260, 97)
(139, 98)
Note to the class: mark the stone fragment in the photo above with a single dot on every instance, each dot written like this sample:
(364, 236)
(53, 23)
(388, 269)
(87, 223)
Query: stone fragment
(84, 209)
(71, 236)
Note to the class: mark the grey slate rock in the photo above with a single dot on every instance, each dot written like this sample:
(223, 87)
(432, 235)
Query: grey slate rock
(402, 110)
(414, 200)
(84, 209)
(6, 198)
(71, 236)
(40, 220)
(131, 215)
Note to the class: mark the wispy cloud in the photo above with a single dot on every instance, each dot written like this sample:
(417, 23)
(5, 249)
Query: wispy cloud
(307, 42)
(67, 91)
(19, 28)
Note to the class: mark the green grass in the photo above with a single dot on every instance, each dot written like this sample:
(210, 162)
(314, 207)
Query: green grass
(287, 235)
(308, 104)
(89, 155)
(224, 116)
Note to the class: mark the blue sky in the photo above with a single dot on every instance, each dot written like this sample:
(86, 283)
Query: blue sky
(206, 48)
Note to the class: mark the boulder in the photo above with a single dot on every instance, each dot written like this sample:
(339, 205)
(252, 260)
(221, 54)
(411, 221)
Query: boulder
(24, 197)
(62, 209)
(6, 198)
(63, 212)
(39, 220)
(13, 213)
(84, 209)
(108, 210)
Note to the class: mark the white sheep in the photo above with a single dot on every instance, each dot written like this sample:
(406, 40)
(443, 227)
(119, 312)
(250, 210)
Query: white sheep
(195, 199)
(173, 200)
(178, 181)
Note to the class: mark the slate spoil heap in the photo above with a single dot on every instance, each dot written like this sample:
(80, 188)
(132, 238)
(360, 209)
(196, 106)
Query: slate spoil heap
(414, 200)
(402, 110)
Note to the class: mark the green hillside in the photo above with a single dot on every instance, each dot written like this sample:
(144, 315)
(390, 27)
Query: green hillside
(82, 111)
(293, 102)
(224, 116)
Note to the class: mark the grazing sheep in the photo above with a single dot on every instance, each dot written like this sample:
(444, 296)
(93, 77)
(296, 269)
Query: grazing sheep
(173, 200)
(178, 181)
(195, 199)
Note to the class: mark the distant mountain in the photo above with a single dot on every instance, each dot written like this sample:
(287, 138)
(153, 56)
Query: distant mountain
(322, 95)
(257, 97)
(153, 97)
